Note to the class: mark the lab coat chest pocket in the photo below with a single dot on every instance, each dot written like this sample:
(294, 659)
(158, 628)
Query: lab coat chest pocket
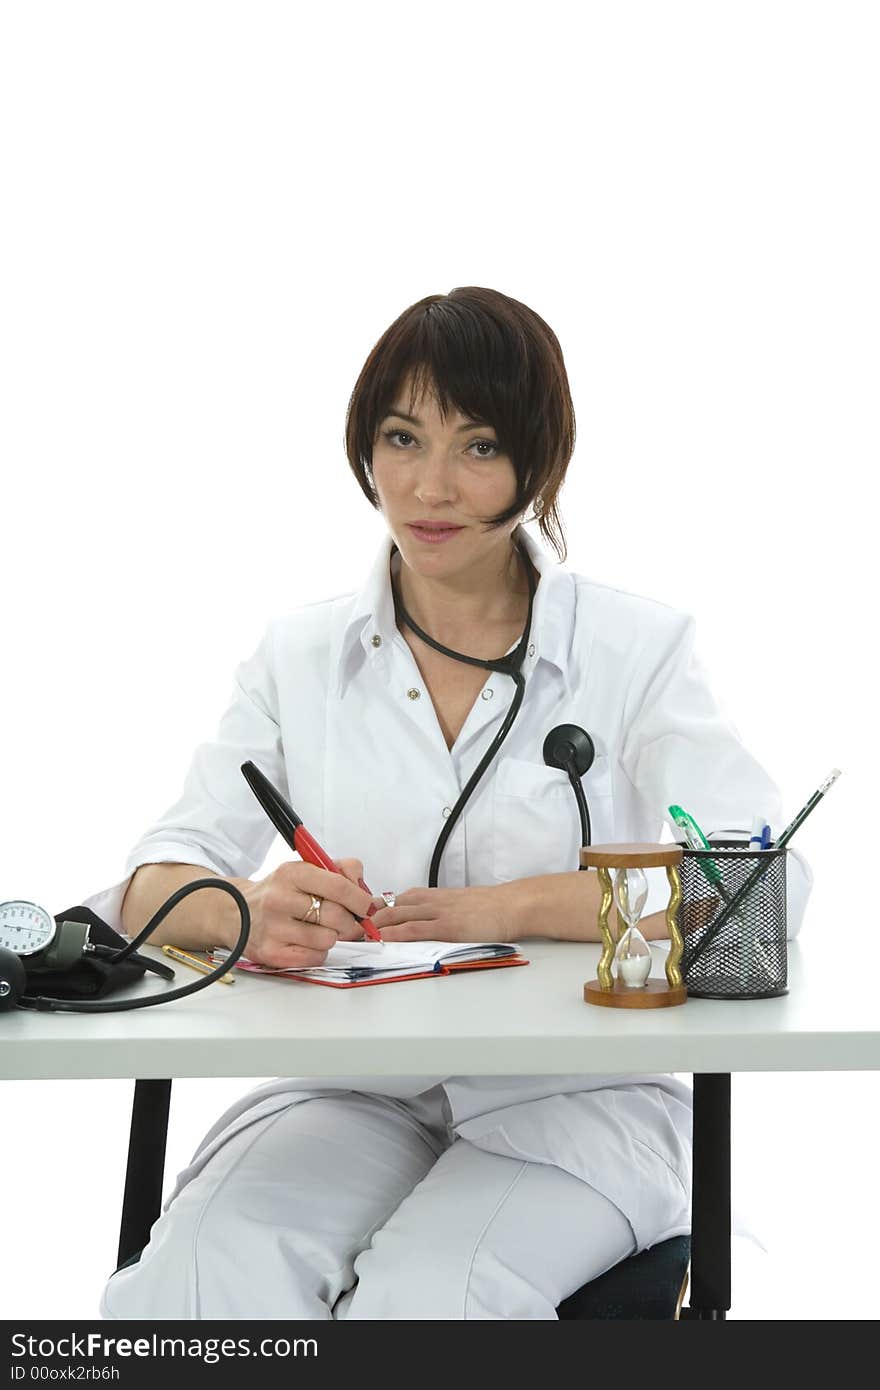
(536, 823)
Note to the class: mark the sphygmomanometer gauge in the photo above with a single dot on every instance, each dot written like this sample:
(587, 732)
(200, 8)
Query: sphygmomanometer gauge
(26, 927)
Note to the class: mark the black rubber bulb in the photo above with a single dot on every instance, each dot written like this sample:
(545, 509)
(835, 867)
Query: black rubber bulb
(13, 979)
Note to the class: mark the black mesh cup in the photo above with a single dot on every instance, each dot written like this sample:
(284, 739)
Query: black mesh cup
(746, 956)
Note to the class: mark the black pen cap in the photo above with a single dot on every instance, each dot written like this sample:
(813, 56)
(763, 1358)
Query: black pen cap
(280, 813)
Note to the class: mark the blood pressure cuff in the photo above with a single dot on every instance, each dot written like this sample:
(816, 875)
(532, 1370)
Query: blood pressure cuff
(93, 976)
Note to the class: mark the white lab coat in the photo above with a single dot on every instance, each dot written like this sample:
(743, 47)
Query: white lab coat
(332, 707)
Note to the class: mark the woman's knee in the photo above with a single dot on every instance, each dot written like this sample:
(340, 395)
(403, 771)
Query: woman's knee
(270, 1225)
(159, 1285)
(204, 1262)
(421, 1263)
(204, 1250)
(491, 1238)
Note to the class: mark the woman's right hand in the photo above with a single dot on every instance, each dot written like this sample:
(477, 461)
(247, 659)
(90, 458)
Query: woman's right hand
(280, 936)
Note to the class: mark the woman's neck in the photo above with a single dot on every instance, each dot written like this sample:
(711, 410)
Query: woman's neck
(468, 606)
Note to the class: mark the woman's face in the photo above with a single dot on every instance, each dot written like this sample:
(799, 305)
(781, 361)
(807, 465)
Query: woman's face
(435, 482)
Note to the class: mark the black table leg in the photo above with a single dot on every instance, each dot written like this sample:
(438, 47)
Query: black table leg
(710, 1199)
(145, 1173)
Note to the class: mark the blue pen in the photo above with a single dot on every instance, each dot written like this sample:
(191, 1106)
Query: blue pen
(765, 836)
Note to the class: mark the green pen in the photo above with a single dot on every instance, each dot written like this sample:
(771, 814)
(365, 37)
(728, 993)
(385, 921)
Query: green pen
(697, 840)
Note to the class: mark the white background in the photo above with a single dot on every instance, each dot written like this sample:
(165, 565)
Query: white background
(211, 213)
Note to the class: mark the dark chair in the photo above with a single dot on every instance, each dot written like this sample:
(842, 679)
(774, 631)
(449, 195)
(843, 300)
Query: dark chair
(648, 1285)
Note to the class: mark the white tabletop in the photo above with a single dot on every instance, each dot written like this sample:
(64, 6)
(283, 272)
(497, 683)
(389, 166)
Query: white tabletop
(530, 1019)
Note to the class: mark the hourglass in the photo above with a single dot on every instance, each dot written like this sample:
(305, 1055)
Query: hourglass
(632, 987)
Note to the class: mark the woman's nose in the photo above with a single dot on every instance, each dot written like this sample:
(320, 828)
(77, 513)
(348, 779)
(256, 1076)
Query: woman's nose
(435, 481)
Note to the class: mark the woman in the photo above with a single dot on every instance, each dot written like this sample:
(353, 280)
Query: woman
(437, 1197)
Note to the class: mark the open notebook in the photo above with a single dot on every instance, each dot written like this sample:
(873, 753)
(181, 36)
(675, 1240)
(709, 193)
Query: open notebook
(351, 963)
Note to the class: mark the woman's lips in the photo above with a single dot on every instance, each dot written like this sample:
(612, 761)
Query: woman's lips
(433, 535)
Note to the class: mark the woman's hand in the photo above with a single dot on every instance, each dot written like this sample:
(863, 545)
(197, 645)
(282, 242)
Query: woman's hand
(280, 936)
(445, 914)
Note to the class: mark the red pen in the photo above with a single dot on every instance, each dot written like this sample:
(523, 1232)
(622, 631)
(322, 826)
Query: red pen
(294, 833)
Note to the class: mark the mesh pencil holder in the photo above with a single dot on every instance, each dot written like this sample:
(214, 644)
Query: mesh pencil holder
(734, 930)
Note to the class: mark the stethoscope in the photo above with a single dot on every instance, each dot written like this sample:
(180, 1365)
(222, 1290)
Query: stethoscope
(567, 746)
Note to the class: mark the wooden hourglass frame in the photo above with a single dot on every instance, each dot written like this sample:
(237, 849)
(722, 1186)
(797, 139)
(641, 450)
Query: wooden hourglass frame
(654, 994)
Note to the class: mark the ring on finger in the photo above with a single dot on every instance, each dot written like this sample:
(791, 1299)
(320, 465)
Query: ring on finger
(315, 906)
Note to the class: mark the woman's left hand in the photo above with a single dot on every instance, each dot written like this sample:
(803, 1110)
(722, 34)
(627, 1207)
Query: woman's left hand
(445, 914)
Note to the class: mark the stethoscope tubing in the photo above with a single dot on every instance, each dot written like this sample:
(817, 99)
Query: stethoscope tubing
(484, 762)
(510, 665)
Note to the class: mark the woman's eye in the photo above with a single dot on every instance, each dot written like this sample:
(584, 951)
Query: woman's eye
(477, 443)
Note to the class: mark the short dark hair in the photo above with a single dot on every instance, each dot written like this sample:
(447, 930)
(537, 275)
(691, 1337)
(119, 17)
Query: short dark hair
(496, 360)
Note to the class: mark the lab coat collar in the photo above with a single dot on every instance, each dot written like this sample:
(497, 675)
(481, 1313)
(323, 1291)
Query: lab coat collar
(371, 614)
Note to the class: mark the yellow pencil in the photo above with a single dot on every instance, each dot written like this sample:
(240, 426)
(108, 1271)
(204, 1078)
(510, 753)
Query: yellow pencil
(176, 954)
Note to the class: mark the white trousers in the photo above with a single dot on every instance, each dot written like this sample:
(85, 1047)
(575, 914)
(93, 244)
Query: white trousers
(360, 1206)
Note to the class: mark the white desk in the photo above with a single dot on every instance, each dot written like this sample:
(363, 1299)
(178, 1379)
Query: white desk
(528, 1019)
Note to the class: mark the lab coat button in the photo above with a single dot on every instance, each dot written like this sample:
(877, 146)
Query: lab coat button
(376, 641)
(531, 648)
(413, 693)
(488, 693)
(447, 812)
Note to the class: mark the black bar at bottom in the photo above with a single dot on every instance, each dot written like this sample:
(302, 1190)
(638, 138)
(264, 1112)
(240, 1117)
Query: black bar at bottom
(710, 1199)
(145, 1172)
